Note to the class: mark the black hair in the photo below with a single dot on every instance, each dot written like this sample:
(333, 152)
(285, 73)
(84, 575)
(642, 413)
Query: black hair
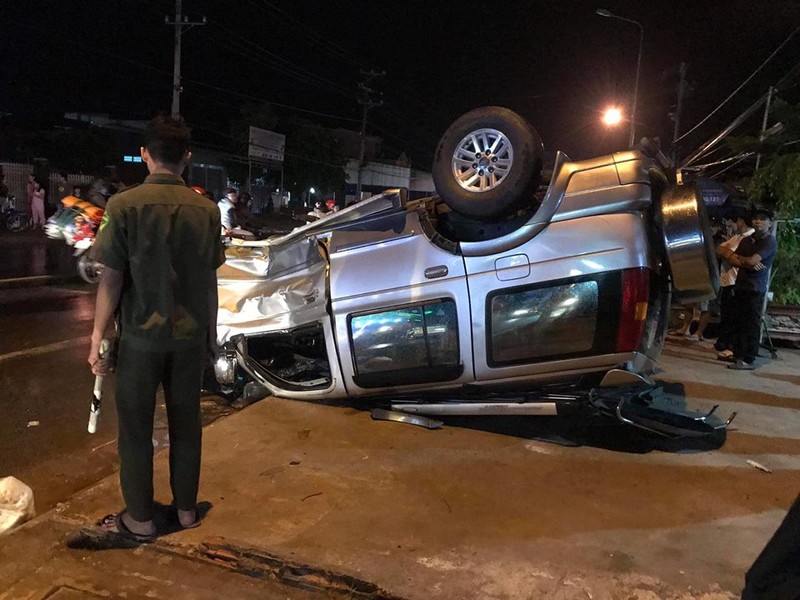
(167, 139)
(735, 213)
(760, 210)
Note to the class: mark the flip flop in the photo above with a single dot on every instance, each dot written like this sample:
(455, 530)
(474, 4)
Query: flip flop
(114, 524)
(740, 365)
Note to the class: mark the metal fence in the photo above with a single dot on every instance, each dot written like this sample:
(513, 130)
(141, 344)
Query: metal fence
(16, 178)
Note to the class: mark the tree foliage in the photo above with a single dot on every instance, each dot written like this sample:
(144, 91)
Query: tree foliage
(313, 159)
(777, 185)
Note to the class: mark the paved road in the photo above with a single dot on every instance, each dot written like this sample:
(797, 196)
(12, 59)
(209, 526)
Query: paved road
(29, 254)
(45, 381)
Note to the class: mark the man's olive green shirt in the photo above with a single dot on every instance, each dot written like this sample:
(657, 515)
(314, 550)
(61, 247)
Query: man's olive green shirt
(166, 239)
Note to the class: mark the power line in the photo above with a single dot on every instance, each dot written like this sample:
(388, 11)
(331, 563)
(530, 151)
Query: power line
(323, 42)
(271, 59)
(745, 82)
(263, 100)
(741, 118)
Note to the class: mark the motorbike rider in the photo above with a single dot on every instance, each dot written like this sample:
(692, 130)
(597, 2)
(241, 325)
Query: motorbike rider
(228, 216)
(197, 189)
(100, 190)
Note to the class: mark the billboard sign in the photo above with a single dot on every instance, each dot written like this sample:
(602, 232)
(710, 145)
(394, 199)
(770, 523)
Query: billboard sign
(266, 145)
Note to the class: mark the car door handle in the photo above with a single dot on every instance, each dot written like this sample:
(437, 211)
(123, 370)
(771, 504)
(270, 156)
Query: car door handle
(436, 272)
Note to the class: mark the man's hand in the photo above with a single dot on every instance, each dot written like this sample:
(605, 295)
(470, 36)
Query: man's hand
(760, 266)
(108, 293)
(100, 366)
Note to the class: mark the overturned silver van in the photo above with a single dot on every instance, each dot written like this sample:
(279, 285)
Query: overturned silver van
(497, 283)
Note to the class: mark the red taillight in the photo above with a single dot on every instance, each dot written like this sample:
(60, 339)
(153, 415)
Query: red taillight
(633, 314)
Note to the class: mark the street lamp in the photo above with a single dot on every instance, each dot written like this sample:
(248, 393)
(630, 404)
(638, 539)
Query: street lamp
(612, 116)
(607, 13)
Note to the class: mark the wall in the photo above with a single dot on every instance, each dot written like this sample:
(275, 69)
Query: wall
(377, 177)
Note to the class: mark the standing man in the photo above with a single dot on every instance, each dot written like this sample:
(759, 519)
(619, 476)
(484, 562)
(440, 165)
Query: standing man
(161, 246)
(62, 190)
(227, 210)
(753, 257)
(735, 223)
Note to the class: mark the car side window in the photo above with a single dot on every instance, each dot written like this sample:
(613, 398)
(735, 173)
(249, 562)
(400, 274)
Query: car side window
(532, 323)
(406, 345)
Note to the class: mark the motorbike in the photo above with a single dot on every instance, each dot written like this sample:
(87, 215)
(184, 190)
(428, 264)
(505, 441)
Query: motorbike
(76, 223)
(13, 219)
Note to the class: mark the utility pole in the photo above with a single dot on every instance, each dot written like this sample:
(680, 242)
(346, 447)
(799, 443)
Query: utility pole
(180, 22)
(365, 100)
(764, 123)
(678, 109)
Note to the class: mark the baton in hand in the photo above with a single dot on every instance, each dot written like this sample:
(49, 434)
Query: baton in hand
(97, 393)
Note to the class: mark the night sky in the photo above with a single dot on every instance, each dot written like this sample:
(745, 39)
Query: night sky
(557, 63)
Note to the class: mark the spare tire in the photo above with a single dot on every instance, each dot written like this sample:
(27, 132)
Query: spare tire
(488, 163)
(690, 250)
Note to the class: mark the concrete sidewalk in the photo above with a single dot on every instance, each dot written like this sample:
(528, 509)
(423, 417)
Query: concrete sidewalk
(324, 497)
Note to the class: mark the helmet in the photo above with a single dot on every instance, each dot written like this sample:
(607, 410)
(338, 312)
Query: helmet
(198, 189)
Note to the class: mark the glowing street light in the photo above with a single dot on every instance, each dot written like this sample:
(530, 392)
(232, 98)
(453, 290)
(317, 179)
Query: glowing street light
(607, 13)
(612, 116)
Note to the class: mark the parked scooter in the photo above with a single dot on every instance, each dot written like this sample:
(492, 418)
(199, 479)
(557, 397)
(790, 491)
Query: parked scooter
(76, 223)
(13, 219)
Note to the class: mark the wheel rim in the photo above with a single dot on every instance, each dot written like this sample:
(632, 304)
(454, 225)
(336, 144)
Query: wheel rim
(482, 160)
(16, 223)
(90, 270)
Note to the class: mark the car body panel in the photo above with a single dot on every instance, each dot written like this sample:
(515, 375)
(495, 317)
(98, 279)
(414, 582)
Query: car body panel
(392, 273)
(598, 244)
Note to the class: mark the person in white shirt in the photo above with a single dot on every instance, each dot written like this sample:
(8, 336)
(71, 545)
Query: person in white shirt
(227, 210)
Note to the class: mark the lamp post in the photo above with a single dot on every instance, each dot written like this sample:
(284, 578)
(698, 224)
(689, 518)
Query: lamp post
(607, 13)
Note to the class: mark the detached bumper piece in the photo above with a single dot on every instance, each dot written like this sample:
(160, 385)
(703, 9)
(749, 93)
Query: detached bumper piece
(381, 414)
(643, 405)
(638, 406)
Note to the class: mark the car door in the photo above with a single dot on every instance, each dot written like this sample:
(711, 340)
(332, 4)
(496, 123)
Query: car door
(552, 306)
(401, 311)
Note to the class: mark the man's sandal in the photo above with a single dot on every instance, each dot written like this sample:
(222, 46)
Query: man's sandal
(114, 524)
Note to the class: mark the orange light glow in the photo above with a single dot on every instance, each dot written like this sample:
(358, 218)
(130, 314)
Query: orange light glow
(612, 116)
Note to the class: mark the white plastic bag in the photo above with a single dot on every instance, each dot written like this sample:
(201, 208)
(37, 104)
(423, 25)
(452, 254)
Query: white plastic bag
(16, 503)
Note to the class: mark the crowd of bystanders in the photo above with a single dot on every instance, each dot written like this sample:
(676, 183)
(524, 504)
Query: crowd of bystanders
(746, 247)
